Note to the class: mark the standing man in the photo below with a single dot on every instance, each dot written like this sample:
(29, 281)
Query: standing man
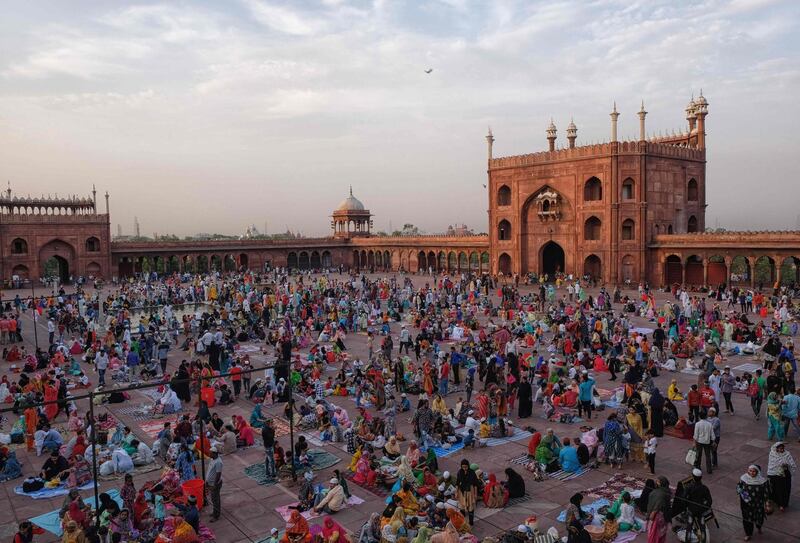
(790, 408)
(268, 437)
(727, 382)
(585, 395)
(405, 339)
(214, 482)
(717, 426)
(101, 364)
(703, 438)
(51, 330)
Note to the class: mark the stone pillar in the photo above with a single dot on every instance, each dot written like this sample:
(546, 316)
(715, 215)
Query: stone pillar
(705, 272)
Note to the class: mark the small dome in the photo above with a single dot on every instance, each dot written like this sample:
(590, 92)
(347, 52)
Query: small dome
(552, 126)
(351, 203)
(701, 100)
(571, 125)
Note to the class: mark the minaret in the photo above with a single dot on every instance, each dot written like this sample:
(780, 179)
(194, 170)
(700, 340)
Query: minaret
(94, 198)
(701, 111)
(489, 142)
(551, 135)
(107, 212)
(572, 133)
(642, 114)
(614, 117)
(691, 116)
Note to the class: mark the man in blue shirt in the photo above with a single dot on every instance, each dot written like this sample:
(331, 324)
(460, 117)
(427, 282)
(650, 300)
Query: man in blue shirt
(585, 395)
(132, 361)
(568, 457)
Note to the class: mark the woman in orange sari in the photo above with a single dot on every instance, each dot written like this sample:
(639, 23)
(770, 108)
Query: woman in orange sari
(297, 530)
(50, 395)
(427, 382)
(31, 418)
(244, 432)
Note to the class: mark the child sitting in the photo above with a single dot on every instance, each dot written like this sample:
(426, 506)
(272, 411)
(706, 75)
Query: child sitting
(610, 529)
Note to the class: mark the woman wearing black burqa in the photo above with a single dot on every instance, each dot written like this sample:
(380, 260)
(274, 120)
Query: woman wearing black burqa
(525, 397)
(180, 383)
(657, 413)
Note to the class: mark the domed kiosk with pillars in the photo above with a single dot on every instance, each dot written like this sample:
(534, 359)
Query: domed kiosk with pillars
(351, 219)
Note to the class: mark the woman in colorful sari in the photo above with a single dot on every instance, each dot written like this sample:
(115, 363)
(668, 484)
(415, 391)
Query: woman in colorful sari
(364, 474)
(413, 454)
(658, 504)
(494, 495)
(634, 423)
(775, 428)
(244, 432)
(333, 532)
(297, 530)
(257, 418)
(612, 441)
(449, 535)
(548, 448)
(185, 464)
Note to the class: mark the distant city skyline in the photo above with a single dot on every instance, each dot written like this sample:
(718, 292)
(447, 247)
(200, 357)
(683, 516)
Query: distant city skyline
(211, 117)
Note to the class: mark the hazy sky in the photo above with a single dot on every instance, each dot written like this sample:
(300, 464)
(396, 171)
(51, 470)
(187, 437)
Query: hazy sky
(209, 116)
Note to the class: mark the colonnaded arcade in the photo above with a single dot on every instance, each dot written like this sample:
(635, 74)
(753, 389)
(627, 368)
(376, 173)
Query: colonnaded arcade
(620, 211)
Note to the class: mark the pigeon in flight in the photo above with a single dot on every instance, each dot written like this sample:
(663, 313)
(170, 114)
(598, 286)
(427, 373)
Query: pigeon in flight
(429, 70)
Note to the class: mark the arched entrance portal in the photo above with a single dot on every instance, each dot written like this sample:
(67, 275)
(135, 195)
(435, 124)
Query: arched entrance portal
(56, 266)
(552, 260)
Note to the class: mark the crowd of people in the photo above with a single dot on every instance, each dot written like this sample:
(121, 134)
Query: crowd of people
(467, 357)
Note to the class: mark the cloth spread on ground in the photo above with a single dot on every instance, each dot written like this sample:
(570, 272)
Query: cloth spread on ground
(137, 412)
(495, 441)
(322, 459)
(152, 428)
(286, 511)
(562, 475)
(377, 489)
(258, 472)
(615, 486)
(441, 453)
(137, 470)
(517, 501)
(60, 490)
(52, 522)
(588, 508)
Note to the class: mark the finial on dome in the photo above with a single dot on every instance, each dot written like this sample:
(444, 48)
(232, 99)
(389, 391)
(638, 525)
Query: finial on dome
(351, 190)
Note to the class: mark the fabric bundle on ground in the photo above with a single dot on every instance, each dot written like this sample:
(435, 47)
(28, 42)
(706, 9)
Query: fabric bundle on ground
(44, 493)
(52, 522)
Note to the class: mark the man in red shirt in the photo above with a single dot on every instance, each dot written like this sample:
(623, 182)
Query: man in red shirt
(707, 397)
(694, 399)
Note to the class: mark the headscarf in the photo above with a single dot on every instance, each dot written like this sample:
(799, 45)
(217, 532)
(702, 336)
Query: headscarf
(450, 534)
(296, 525)
(747, 479)
(392, 446)
(656, 399)
(330, 527)
(777, 460)
(404, 470)
(423, 535)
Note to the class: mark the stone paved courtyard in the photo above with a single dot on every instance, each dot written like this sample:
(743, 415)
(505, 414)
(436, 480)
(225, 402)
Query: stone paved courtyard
(249, 508)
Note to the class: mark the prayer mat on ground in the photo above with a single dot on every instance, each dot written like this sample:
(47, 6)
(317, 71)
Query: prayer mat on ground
(612, 488)
(136, 412)
(518, 435)
(321, 459)
(258, 473)
(521, 459)
(153, 427)
(591, 508)
(562, 475)
(689, 371)
(152, 393)
(377, 489)
(43, 494)
(286, 511)
(441, 452)
(517, 501)
(52, 522)
(138, 470)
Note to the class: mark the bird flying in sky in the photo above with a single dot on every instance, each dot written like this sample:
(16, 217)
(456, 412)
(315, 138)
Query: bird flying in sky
(429, 70)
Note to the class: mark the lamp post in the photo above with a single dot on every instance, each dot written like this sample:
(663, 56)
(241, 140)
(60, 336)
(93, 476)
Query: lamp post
(35, 318)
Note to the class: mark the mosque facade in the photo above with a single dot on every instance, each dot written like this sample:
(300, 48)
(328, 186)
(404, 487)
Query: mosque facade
(620, 211)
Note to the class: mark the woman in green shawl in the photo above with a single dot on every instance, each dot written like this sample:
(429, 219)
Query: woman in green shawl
(548, 448)
(430, 460)
(423, 535)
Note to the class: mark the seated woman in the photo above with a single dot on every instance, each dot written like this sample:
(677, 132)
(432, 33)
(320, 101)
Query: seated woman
(333, 532)
(408, 501)
(549, 448)
(80, 473)
(245, 436)
(364, 474)
(494, 494)
(257, 418)
(673, 392)
(533, 443)
(392, 449)
(414, 455)
(426, 481)
(515, 484)
(641, 501)
(297, 529)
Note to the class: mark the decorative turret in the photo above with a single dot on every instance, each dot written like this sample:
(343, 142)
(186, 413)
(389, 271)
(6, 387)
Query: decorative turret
(351, 218)
(614, 117)
(642, 114)
(551, 135)
(572, 133)
(691, 114)
(701, 110)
